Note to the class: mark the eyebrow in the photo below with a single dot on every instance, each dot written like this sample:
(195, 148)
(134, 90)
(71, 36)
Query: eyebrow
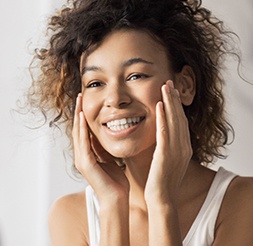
(127, 63)
(91, 68)
(135, 61)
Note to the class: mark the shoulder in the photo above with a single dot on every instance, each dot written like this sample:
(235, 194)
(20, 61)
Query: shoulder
(68, 220)
(239, 193)
(236, 214)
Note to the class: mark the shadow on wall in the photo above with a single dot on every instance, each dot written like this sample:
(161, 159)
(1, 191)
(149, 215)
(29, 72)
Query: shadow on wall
(1, 234)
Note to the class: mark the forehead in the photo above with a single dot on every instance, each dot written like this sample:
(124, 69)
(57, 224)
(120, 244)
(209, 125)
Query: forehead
(123, 45)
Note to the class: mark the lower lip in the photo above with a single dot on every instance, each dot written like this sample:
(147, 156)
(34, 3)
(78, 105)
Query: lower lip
(124, 132)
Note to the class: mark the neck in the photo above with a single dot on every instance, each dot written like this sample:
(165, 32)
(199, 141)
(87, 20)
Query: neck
(137, 170)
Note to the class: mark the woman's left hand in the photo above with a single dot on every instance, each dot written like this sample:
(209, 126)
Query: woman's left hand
(173, 149)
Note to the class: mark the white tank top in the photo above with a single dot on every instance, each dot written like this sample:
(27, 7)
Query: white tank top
(202, 230)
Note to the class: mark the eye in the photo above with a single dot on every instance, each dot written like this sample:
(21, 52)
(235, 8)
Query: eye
(137, 76)
(94, 84)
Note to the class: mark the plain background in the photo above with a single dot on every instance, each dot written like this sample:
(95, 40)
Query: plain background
(35, 164)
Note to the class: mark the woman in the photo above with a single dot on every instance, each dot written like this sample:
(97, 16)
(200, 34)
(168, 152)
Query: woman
(139, 85)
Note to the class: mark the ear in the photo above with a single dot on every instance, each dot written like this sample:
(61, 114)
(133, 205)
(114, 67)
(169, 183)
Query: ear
(185, 83)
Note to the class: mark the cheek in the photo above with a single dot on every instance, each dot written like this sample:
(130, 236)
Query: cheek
(156, 94)
(152, 94)
(90, 108)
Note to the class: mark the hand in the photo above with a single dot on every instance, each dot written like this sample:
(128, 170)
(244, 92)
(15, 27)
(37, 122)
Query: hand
(96, 165)
(173, 150)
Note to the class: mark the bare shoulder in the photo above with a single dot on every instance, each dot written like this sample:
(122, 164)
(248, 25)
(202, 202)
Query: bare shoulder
(235, 219)
(239, 194)
(68, 220)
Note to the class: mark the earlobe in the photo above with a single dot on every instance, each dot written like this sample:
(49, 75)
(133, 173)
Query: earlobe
(186, 85)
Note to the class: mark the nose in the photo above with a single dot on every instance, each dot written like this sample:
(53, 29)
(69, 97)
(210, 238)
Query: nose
(117, 96)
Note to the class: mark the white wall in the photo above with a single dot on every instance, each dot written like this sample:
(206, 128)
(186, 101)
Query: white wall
(32, 166)
(238, 15)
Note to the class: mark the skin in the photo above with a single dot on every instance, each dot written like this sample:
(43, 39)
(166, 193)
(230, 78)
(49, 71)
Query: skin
(162, 189)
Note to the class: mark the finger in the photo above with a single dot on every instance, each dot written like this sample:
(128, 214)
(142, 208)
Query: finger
(78, 108)
(84, 138)
(178, 125)
(160, 156)
(168, 97)
(86, 160)
(179, 111)
(161, 127)
(176, 100)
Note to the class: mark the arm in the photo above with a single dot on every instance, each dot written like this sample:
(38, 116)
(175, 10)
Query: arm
(114, 223)
(170, 162)
(163, 225)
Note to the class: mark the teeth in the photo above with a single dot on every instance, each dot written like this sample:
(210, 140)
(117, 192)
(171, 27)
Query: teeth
(117, 125)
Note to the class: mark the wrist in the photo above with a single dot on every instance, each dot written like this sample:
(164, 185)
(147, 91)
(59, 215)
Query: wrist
(161, 206)
(116, 203)
(161, 198)
(163, 224)
(114, 222)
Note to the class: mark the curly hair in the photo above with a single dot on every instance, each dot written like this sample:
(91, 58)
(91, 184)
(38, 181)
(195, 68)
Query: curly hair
(189, 32)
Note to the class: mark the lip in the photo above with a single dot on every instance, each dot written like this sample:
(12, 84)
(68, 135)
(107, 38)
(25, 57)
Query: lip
(124, 132)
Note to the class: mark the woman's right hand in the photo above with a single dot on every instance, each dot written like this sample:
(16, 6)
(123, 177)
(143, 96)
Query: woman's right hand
(95, 164)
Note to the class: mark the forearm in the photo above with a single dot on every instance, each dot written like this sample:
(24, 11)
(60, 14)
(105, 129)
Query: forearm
(114, 223)
(163, 225)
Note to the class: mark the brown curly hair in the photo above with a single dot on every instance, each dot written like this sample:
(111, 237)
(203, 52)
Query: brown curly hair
(189, 32)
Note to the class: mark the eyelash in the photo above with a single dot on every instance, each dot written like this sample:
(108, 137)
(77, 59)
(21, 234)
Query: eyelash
(138, 76)
(94, 84)
(130, 78)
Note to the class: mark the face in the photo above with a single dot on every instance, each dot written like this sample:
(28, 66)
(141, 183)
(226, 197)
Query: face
(121, 84)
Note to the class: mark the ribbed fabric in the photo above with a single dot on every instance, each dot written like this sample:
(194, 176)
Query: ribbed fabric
(201, 232)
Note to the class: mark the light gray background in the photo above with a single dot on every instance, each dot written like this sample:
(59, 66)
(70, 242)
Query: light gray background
(33, 170)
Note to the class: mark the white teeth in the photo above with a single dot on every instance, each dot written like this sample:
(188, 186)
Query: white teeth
(117, 125)
(123, 121)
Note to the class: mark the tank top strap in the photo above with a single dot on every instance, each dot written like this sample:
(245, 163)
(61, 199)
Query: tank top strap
(202, 229)
(92, 205)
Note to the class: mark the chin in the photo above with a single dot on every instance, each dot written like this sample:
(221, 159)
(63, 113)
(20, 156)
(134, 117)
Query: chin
(122, 152)
(126, 153)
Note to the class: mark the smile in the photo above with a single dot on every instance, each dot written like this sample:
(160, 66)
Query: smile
(121, 124)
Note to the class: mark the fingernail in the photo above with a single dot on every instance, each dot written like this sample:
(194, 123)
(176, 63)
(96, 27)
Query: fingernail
(166, 88)
(170, 83)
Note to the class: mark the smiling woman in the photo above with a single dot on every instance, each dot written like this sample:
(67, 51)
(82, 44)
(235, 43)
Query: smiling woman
(139, 86)
(126, 88)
